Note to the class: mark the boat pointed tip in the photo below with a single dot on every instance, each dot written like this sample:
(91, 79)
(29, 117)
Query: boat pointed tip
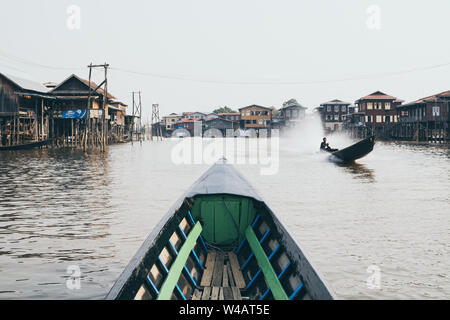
(222, 160)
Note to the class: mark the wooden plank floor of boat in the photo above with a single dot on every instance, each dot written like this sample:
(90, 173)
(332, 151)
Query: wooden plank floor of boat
(222, 278)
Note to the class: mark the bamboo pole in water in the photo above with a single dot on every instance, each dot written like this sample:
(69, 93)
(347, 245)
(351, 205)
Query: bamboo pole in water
(14, 130)
(42, 120)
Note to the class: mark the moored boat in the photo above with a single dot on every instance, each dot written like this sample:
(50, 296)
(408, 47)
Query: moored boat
(25, 146)
(220, 241)
(356, 151)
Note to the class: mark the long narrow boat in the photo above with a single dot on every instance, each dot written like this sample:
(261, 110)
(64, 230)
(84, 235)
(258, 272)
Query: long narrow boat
(220, 241)
(356, 151)
(25, 146)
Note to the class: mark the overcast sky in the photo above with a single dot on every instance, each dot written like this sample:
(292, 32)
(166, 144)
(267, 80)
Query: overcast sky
(201, 54)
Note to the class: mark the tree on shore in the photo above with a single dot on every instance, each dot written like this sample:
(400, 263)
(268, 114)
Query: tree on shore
(224, 110)
(275, 112)
(291, 102)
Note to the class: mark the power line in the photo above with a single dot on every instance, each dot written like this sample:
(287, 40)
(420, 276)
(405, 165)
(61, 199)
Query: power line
(189, 78)
(35, 64)
(2, 64)
(294, 82)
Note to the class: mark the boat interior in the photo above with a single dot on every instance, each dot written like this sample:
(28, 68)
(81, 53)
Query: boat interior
(219, 247)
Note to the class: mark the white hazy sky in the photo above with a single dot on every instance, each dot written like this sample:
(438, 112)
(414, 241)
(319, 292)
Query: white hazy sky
(225, 49)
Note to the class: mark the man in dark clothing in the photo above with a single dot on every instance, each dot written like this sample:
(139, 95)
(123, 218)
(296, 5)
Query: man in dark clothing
(324, 146)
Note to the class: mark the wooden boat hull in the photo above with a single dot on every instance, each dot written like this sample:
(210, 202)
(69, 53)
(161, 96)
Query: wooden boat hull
(356, 151)
(25, 146)
(220, 241)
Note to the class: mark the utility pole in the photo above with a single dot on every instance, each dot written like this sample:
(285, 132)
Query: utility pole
(105, 102)
(137, 114)
(156, 122)
(88, 112)
(88, 131)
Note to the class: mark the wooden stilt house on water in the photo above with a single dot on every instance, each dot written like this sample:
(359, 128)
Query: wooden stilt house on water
(72, 124)
(24, 106)
(426, 119)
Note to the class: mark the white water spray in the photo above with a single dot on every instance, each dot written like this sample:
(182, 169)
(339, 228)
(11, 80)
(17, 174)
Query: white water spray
(308, 135)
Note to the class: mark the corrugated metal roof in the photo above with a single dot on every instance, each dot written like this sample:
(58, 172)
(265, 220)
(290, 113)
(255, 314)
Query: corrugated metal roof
(86, 82)
(25, 84)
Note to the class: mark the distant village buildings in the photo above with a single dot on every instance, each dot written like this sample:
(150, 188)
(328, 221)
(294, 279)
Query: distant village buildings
(171, 120)
(431, 110)
(378, 113)
(250, 118)
(233, 116)
(426, 119)
(187, 124)
(334, 114)
(256, 117)
(58, 113)
(386, 117)
(218, 127)
(292, 114)
(195, 115)
(379, 108)
(253, 117)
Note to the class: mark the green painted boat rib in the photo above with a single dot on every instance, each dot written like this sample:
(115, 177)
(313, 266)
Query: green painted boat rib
(178, 265)
(264, 263)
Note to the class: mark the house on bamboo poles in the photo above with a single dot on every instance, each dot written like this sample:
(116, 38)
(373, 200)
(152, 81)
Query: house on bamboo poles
(24, 111)
(380, 110)
(73, 123)
(426, 119)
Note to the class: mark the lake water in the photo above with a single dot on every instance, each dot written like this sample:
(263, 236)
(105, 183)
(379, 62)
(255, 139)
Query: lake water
(376, 230)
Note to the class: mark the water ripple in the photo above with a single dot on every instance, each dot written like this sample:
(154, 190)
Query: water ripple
(60, 208)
